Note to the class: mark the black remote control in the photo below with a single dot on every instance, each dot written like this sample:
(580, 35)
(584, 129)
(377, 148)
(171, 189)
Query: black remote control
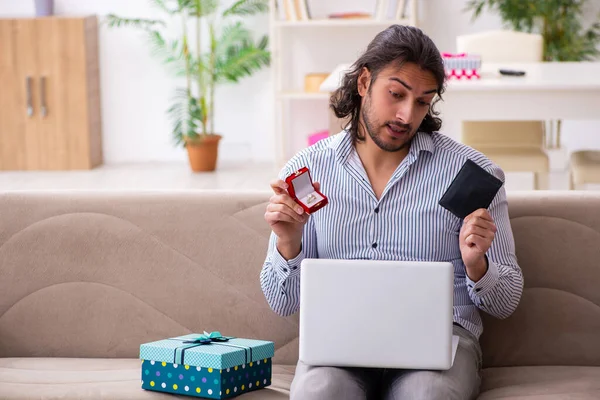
(512, 72)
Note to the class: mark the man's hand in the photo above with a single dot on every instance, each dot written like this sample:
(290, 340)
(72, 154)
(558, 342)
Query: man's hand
(476, 236)
(287, 219)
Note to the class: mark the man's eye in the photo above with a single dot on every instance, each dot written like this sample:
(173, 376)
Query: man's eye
(423, 103)
(396, 95)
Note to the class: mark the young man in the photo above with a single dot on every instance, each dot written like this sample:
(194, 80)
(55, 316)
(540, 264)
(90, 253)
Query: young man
(384, 175)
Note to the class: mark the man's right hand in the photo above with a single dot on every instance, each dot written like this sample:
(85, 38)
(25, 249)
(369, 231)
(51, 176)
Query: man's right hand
(286, 219)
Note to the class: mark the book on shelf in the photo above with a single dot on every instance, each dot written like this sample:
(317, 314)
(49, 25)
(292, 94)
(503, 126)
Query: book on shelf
(390, 10)
(292, 10)
(400, 9)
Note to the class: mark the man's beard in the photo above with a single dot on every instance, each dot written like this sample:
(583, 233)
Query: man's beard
(375, 134)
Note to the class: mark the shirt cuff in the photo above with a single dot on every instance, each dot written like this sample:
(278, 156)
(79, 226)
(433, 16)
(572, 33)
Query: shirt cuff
(286, 269)
(487, 281)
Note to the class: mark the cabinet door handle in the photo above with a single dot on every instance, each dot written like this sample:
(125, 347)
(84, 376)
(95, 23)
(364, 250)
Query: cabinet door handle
(29, 102)
(43, 109)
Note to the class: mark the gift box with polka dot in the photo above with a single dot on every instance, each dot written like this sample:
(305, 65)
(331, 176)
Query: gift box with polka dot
(206, 382)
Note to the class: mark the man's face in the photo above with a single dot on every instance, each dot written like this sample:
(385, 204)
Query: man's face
(394, 106)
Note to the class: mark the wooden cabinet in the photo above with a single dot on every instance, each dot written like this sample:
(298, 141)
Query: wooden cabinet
(49, 94)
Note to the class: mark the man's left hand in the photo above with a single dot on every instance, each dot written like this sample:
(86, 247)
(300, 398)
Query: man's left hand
(476, 236)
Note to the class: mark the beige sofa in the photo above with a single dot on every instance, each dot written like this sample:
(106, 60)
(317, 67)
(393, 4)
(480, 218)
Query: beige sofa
(86, 277)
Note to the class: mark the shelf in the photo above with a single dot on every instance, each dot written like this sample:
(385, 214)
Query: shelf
(304, 96)
(331, 23)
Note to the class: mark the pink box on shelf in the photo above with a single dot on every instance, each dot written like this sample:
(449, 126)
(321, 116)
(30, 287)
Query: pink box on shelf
(462, 65)
(315, 137)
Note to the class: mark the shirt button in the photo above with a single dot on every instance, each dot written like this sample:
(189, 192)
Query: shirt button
(376, 210)
(294, 267)
(374, 245)
(285, 270)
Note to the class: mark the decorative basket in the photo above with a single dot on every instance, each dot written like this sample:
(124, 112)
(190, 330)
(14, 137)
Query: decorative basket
(462, 65)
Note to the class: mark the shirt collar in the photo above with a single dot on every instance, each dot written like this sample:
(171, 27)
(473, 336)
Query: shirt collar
(343, 146)
(422, 142)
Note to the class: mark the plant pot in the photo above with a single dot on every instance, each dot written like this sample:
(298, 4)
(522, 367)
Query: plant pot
(203, 152)
(44, 8)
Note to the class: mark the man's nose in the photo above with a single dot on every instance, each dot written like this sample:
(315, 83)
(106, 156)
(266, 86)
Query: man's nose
(404, 113)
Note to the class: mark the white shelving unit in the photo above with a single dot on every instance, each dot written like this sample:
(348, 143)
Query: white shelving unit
(317, 45)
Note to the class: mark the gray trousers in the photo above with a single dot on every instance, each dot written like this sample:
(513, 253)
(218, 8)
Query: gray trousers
(460, 382)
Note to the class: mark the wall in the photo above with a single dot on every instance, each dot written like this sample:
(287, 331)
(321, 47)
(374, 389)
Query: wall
(136, 89)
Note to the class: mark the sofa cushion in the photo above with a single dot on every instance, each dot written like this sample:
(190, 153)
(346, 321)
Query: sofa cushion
(558, 318)
(100, 273)
(548, 383)
(93, 378)
(81, 378)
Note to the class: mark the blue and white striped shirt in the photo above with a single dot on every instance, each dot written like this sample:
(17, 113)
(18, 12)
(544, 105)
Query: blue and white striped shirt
(406, 223)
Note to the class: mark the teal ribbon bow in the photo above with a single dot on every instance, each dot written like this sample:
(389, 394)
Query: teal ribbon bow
(208, 338)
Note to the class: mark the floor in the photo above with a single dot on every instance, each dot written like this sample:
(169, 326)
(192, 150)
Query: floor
(173, 176)
(178, 176)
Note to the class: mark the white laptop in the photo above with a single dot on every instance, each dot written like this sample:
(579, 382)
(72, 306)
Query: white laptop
(378, 314)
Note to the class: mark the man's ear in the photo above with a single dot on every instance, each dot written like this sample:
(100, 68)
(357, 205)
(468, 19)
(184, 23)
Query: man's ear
(364, 80)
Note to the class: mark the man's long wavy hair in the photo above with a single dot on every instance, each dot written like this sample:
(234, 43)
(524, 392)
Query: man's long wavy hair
(396, 44)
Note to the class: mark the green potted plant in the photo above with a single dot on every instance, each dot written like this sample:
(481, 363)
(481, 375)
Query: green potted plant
(214, 48)
(558, 21)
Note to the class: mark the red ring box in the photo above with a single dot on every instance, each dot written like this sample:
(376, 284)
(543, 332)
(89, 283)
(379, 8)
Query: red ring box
(302, 190)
